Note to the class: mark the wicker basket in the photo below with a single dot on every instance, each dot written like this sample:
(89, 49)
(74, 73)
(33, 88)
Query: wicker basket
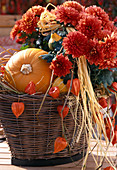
(30, 139)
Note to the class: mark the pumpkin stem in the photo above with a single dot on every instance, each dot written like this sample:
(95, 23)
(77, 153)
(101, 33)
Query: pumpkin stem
(26, 69)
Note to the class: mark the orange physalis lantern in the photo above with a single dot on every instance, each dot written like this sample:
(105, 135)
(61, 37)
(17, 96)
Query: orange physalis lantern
(17, 108)
(60, 144)
(75, 86)
(30, 88)
(65, 111)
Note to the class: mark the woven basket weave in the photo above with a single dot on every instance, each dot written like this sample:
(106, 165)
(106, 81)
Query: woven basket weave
(29, 138)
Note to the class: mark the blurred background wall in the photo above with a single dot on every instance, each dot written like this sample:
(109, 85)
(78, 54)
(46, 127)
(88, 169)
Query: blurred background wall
(20, 6)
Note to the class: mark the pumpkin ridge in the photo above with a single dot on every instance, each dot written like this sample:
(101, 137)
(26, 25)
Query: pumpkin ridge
(40, 69)
(42, 87)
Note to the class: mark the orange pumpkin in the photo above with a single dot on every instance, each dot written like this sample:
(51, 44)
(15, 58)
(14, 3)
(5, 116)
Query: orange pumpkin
(26, 66)
(59, 83)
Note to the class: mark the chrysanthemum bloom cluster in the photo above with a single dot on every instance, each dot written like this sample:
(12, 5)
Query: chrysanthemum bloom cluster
(89, 26)
(27, 24)
(74, 4)
(67, 15)
(95, 54)
(15, 30)
(109, 47)
(99, 13)
(76, 44)
(92, 37)
(93, 34)
(61, 65)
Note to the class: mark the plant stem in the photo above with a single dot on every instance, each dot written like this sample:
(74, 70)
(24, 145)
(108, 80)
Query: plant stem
(37, 114)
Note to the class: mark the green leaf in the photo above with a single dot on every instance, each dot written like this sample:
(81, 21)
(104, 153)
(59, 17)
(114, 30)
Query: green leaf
(23, 47)
(47, 57)
(105, 77)
(99, 76)
(57, 45)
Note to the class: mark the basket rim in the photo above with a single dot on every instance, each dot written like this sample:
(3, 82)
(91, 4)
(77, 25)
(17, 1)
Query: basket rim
(34, 96)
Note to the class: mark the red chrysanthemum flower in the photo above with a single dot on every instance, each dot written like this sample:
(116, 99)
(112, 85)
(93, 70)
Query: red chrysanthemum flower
(109, 46)
(101, 34)
(82, 15)
(68, 15)
(74, 5)
(29, 22)
(89, 26)
(115, 30)
(15, 29)
(76, 44)
(95, 54)
(61, 65)
(37, 10)
(110, 26)
(19, 39)
(110, 63)
(99, 13)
